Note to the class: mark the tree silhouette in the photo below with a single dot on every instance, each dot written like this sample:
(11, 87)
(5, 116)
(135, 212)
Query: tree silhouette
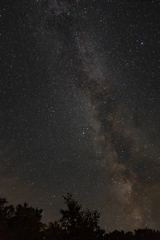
(24, 223)
(6, 215)
(115, 235)
(19, 223)
(53, 231)
(147, 234)
(77, 224)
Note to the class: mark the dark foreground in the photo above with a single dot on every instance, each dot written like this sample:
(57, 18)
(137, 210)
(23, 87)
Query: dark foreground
(24, 223)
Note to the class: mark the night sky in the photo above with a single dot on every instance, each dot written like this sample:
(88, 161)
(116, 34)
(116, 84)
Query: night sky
(79, 108)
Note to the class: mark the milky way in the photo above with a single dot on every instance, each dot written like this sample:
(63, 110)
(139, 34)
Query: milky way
(84, 118)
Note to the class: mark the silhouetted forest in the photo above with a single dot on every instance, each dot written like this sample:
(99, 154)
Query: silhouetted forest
(24, 223)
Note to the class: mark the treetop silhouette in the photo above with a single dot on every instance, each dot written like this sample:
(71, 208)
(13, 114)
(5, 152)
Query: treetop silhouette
(24, 223)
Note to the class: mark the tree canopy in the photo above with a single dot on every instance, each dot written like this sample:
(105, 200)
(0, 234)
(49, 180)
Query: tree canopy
(24, 223)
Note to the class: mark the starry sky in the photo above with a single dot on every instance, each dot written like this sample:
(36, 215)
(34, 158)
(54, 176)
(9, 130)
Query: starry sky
(79, 108)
